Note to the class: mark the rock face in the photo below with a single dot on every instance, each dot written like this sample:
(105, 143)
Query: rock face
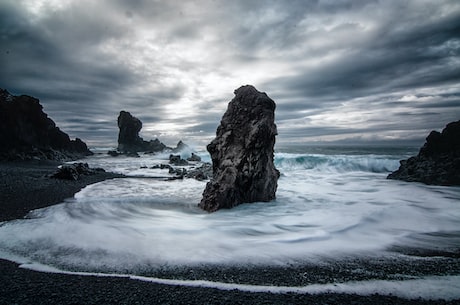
(27, 132)
(242, 153)
(438, 161)
(129, 140)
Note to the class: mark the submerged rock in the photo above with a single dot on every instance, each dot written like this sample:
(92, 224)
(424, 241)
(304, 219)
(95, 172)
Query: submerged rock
(129, 140)
(26, 132)
(438, 161)
(242, 153)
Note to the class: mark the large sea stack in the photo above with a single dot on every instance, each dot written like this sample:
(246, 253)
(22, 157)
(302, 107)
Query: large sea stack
(26, 132)
(438, 161)
(242, 153)
(129, 140)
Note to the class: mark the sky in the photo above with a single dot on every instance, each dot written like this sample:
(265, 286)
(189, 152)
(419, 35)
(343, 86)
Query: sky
(340, 72)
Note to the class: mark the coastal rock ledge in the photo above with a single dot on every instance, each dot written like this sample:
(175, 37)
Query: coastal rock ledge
(438, 161)
(242, 153)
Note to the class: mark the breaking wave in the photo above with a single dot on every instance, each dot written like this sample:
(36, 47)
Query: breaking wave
(337, 163)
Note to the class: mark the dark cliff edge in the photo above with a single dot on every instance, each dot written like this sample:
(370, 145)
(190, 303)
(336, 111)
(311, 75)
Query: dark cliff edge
(27, 133)
(438, 161)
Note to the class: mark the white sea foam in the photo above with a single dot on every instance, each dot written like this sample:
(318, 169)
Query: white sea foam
(325, 210)
(430, 287)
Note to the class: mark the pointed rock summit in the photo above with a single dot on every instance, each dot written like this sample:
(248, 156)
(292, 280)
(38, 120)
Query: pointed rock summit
(242, 153)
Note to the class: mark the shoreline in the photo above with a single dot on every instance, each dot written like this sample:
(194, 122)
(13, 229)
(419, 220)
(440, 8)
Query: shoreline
(26, 186)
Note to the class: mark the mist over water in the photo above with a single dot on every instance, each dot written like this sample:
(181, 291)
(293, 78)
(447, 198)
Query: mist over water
(328, 206)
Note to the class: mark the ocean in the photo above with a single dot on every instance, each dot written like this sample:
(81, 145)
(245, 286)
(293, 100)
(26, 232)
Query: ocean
(333, 204)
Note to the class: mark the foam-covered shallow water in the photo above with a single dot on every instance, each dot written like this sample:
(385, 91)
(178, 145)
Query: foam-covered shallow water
(328, 206)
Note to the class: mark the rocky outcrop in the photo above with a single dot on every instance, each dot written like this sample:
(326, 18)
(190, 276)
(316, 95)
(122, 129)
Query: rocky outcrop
(194, 158)
(26, 132)
(242, 153)
(438, 161)
(177, 160)
(201, 172)
(130, 143)
(129, 140)
(75, 171)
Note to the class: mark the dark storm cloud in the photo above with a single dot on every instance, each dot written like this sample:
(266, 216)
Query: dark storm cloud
(54, 59)
(421, 56)
(337, 69)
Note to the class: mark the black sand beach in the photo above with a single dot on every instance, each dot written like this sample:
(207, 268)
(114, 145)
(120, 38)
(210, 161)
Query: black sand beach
(26, 186)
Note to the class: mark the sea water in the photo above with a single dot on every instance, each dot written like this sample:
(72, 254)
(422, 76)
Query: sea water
(332, 202)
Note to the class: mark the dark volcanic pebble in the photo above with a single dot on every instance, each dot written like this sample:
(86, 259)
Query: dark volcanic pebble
(25, 186)
(21, 286)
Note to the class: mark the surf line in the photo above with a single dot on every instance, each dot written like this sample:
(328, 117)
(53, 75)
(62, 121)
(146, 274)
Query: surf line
(430, 288)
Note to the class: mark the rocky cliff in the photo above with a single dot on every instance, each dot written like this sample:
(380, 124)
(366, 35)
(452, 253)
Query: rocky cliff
(27, 132)
(242, 153)
(438, 161)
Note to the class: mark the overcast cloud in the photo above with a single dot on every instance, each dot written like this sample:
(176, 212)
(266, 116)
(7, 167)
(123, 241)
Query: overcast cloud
(346, 71)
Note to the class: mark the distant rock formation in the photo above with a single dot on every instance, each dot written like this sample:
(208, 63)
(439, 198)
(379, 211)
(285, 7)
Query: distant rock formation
(129, 140)
(181, 146)
(438, 161)
(130, 143)
(26, 132)
(242, 153)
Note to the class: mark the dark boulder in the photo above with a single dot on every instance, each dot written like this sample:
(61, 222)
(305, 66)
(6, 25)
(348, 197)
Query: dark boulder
(438, 161)
(113, 153)
(153, 146)
(177, 160)
(26, 132)
(242, 153)
(162, 166)
(194, 158)
(203, 172)
(129, 140)
(75, 171)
